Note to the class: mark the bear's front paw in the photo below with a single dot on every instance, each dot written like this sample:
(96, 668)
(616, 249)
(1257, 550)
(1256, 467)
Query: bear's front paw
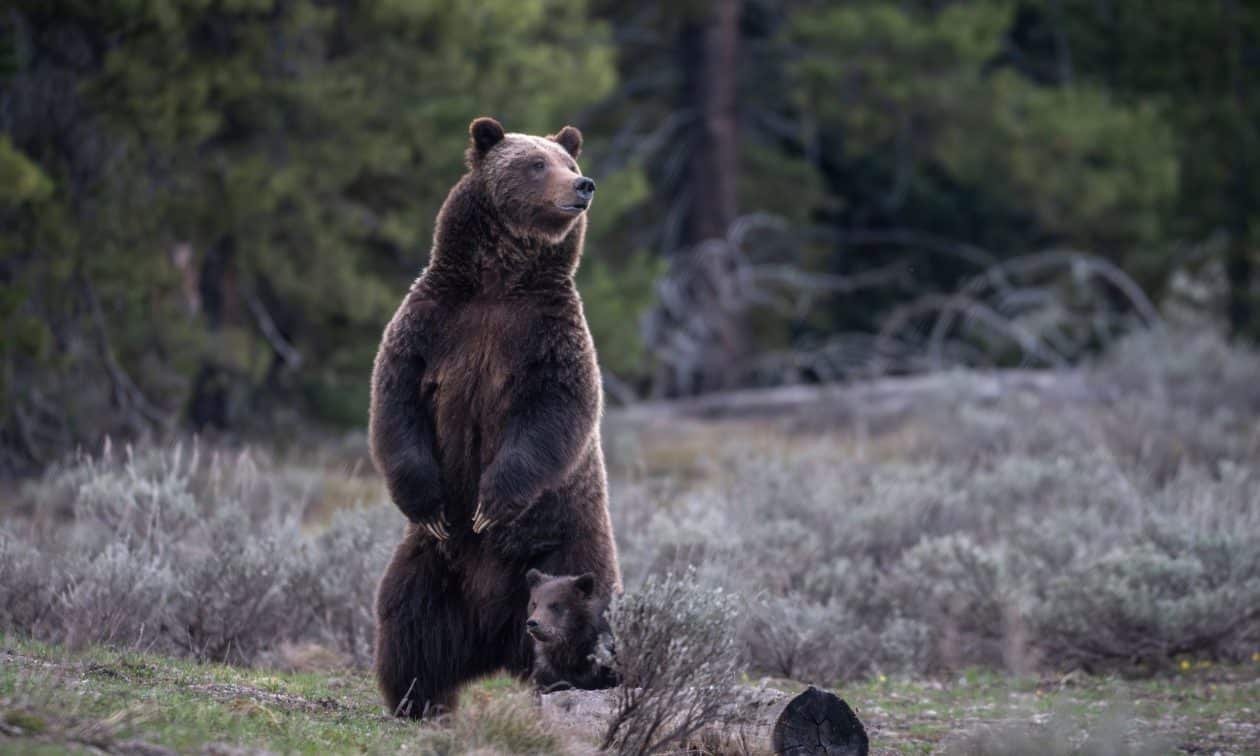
(429, 514)
(490, 512)
(437, 527)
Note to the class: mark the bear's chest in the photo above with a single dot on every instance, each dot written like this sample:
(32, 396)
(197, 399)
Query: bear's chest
(475, 359)
(474, 370)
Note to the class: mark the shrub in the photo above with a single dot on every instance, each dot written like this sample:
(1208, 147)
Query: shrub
(1106, 518)
(796, 639)
(1192, 368)
(678, 660)
(205, 555)
(1059, 527)
(29, 581)
(961, 594)
(1148, 604)
(117, 596)
(337, 580)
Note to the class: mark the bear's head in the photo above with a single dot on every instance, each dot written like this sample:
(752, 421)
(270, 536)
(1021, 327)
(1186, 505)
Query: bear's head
(562, 608)
(533, 183)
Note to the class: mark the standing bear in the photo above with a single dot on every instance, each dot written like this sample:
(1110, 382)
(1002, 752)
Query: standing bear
(485, 423)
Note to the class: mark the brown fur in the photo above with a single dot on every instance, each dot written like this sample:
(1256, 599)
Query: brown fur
(486, 399)
(567, 625)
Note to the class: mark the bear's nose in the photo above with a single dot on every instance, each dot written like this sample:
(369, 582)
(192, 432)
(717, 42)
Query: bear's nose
(584, 187)
(531, 624)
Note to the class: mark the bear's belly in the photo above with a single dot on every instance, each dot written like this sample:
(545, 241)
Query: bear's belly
(492, 591)
(473, 383)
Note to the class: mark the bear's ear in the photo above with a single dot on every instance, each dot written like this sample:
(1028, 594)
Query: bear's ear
(585, 584)
(484, 133)
(570, 139)
(533, 578)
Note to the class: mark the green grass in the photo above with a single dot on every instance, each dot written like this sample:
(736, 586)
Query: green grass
(1208, 708)
(52, 699)
(183, 705)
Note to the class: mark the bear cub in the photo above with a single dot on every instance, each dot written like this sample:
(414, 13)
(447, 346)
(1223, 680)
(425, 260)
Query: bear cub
(568, 629)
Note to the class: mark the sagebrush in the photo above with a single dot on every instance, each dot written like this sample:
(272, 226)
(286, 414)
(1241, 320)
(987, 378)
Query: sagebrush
(209, 555)
(1115, 525)
(678, 662)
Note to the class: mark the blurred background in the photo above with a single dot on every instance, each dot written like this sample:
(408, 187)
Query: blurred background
(952, 310)
(210, 208)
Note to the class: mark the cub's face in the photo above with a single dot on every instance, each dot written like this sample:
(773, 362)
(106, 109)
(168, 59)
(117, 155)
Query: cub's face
(534, 183)
(559, 607)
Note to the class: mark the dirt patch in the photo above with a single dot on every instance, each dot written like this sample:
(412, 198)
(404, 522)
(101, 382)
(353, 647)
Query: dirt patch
(234, 692)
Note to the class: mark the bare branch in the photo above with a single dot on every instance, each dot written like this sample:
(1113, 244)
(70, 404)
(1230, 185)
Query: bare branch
(127, 395)
(267, 327)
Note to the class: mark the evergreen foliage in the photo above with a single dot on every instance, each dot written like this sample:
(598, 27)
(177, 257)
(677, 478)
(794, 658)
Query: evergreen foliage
(209, 209)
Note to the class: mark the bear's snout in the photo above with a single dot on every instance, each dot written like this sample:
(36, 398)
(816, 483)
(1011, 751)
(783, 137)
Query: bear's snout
(584, 187)
(535, 630)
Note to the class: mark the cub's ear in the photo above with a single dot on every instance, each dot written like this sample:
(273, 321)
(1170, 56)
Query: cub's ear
(533, 578)
(570, 139)
(585, 584)
(484, 133)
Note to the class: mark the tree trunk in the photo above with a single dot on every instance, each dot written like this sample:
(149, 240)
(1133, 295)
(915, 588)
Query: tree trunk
(1242, 183)
(716, 339)
(1238, 274)
(710, 66)
(210, 404)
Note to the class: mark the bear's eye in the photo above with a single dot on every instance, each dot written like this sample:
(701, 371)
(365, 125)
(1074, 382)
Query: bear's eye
(554, 607)
(538, 165)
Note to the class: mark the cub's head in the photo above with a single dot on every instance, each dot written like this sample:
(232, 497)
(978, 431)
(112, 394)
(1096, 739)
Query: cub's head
(561, 608)
(534, 183)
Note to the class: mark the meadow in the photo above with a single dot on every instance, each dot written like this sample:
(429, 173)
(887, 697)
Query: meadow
(978, 562)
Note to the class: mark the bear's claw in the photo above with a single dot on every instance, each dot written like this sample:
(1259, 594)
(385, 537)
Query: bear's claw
(436, 528)
(480, 521)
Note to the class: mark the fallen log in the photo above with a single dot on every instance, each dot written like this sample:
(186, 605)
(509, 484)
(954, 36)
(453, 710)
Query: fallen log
(812, 723)
(818, 723)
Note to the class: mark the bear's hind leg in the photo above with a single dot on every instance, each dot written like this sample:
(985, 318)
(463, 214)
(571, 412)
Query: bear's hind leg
(422, 653)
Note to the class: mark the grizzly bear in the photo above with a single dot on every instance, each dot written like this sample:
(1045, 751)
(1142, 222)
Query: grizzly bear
(484, 423)
(569, 629)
